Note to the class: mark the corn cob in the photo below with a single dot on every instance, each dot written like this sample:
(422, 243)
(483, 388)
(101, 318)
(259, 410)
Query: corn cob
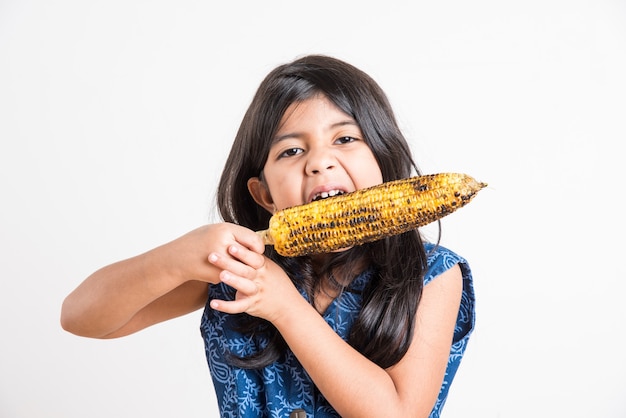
(368, 214)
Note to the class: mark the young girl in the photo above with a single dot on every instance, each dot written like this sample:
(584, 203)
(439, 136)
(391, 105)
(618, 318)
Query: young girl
(376, 330)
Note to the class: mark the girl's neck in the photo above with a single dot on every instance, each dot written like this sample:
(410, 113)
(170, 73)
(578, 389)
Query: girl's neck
(323, 297)
(332, 282)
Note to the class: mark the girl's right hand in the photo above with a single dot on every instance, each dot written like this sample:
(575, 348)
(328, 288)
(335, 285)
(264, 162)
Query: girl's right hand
(187, 257)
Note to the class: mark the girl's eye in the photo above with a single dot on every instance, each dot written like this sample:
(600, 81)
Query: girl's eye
(345, 140)
(290, 152)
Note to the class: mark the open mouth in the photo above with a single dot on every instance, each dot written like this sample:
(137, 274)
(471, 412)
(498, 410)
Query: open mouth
(324, 195)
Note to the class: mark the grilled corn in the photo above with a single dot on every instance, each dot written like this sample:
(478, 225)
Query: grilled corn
(368, 214)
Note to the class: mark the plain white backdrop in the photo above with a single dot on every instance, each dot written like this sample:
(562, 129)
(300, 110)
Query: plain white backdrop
(116, 117)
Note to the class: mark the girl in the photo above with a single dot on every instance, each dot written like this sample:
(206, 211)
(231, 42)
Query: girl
(376, 330)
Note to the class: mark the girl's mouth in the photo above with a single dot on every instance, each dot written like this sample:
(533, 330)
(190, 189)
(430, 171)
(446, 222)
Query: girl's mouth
(324, 195)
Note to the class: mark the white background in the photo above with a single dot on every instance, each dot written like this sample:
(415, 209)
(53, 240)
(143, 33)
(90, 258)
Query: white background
(116, 117)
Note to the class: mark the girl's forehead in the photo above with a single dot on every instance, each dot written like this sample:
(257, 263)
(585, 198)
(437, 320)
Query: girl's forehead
(316, 108)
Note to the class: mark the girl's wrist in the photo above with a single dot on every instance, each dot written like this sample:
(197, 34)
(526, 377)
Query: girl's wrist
(293, 314)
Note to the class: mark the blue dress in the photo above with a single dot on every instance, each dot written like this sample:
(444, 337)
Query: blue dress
(283, 386)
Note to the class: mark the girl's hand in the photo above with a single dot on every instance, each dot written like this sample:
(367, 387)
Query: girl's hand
(263, 288)
(187, 257)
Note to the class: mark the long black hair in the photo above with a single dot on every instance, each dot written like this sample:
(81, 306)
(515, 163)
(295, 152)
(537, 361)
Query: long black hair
(384, 328)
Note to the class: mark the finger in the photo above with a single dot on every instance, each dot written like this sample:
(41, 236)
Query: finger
(250, 258)
(224, 262)
(232, 306)
(244, 286)
(251, 240)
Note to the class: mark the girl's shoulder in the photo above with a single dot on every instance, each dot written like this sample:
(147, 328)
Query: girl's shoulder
(440, 259)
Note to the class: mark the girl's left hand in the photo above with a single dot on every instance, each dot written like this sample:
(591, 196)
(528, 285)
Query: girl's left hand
(264, 291)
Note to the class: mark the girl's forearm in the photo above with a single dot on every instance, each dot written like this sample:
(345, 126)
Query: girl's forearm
(354, 386)
(163, 283)
(111, 296)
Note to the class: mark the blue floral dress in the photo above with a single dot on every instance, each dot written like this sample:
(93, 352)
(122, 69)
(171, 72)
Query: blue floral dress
(284, 386)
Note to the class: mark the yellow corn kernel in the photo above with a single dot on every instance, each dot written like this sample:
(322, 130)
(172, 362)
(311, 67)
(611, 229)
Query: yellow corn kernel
(368, 214)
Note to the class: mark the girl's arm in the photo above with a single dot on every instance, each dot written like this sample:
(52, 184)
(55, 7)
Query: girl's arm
(355, 386)
(163, 283)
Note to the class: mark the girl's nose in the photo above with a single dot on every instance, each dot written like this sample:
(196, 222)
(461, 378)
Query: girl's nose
(320, 161)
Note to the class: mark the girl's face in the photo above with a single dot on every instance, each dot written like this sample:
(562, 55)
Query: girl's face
(318, 151)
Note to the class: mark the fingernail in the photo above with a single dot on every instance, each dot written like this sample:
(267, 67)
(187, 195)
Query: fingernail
(213, 257)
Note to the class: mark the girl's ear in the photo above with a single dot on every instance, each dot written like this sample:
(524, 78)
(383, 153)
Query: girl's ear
(261, 194)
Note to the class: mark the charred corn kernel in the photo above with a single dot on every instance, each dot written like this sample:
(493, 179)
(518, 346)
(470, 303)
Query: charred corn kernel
(368, 214)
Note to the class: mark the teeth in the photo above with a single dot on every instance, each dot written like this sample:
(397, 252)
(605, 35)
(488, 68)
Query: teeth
(329, 193)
